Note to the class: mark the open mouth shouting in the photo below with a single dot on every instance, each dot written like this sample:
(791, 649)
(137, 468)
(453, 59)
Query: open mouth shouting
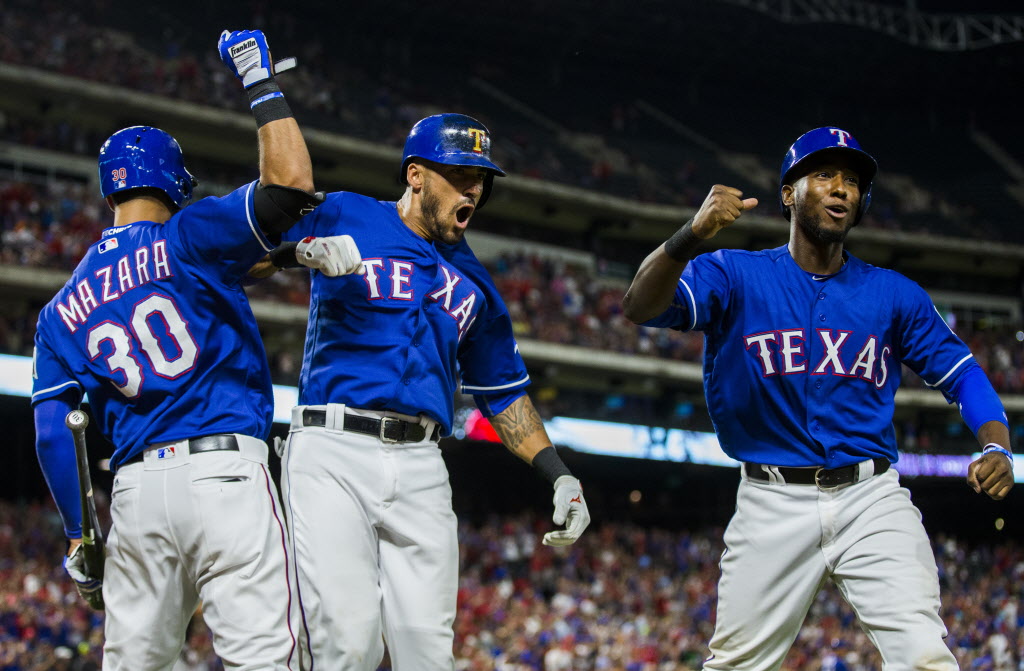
(463, 213)
(837, 211)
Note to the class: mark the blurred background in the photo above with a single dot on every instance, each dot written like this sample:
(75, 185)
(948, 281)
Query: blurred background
(614, 119)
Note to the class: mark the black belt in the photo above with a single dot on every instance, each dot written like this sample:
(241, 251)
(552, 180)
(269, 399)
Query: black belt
(825, 478)
(219, 442)
(387, 429)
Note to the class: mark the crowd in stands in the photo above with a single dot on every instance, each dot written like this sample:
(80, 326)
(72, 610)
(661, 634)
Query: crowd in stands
(50, 225)
(624, 598)
(329, 93)
(347, 97)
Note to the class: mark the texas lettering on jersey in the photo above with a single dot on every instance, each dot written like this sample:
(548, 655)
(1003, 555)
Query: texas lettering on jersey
(423, 321)
(393, 279)
(802, 370)
(784, 352)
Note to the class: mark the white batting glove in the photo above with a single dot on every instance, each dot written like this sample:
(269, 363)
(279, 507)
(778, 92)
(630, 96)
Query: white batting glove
(570, 509)
(247, 54)
(90, 589)
(333, 256)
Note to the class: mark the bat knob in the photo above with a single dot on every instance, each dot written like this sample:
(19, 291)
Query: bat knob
(77, 420)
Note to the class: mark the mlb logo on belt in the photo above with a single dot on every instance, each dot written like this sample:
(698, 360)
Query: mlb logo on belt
(165, 452)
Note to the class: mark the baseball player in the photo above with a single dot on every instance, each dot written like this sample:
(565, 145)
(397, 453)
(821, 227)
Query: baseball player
(154, 327)
(803, 349)
(366, 489)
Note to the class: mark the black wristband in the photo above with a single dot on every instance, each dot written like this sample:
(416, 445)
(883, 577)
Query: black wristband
(283, 256)
(267, 102)
(550, 464)
(682, 243)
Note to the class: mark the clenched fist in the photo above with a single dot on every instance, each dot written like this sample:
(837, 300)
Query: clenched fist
(723, 206)
(247, 54)
(991, 473)
(333, 256)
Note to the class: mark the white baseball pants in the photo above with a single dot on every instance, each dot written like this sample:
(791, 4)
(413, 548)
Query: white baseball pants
(785, 541)
(193, 527)
(376, 547)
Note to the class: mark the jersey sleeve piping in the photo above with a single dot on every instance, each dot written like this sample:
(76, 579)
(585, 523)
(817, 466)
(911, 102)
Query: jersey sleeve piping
(49, 391)
(510, 385)
(267, 247)
(693, 304)
(944, 320)
(951, 371)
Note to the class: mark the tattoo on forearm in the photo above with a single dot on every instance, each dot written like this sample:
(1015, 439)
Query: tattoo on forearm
(516, 423)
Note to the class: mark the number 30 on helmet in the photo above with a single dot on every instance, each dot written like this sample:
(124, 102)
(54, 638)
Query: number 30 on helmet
(143, 156)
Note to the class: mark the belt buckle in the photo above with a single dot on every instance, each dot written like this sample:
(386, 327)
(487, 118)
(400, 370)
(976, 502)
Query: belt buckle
(818, 483)
(383, 429)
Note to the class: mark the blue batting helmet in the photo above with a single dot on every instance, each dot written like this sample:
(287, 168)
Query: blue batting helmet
(451, 139)
(830, 139)
(143, 156)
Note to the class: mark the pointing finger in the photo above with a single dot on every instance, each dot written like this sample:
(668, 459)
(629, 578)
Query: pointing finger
(749, 203)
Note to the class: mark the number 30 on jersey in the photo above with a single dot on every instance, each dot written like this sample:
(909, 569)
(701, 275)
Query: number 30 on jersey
(127, 373)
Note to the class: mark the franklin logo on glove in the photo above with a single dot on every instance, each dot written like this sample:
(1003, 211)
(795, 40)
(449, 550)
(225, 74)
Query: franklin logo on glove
(238, 49)
(224, 543)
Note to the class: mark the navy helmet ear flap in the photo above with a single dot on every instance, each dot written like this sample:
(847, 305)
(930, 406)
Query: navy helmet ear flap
(144, 156)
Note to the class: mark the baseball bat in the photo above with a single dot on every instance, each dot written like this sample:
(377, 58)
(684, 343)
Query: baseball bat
(92, 537)
(285, 64)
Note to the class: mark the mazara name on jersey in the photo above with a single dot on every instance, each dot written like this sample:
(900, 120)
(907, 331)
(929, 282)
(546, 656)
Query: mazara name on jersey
(398, 286)
(135, 269)
(783, 353)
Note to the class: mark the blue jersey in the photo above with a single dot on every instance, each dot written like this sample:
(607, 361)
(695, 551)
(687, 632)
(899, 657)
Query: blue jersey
(422, 320)
(802, 370)
(154, 326)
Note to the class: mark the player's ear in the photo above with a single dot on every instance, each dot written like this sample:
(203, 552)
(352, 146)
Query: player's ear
(415, 174)
(787, 195)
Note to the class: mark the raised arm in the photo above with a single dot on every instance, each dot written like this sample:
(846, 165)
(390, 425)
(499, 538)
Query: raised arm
(651, 291)
(284, 158)
(286, 173)
(286, 192)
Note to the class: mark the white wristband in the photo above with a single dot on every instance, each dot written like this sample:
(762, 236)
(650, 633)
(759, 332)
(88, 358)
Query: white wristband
(995, 447)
